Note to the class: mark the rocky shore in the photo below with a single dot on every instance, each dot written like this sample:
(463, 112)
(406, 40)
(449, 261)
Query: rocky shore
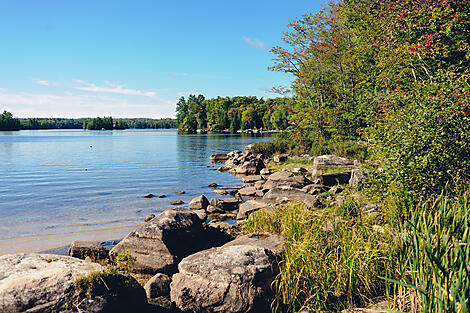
(185, 259)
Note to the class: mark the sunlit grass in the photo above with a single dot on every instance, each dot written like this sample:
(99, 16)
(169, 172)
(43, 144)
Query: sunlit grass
(333, 258)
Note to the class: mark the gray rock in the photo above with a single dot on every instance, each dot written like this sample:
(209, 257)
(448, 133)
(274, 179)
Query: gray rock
(333, 179)
(159, 244)
(260, 193)
(199, 203)
(289, 194)
(82, 249)
(329, 160)
(285, 179)
(247, 191)
(273, 242)
(281, 175)
(252, 206)
(252, 179)
(228, 279)
(251, 167)
(52, 283)
(224, 204)
(158, 286)
(219, 157)
(314, 189)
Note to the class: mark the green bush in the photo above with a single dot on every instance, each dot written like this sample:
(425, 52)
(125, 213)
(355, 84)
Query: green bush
(422, 139)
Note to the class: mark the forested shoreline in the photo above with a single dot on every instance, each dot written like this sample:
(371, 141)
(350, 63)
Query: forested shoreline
(232, 114)
(10, 123)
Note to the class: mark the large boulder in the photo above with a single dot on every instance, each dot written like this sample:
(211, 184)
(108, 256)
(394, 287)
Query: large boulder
(275, 243)
(232, 278)
(199, 203)
(83, 249)
(285, 179)
(53, 283)
(289, 194)
(251, 206)
(224, 204)
(161, 243)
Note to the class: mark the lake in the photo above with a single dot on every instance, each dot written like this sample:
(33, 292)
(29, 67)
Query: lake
(57, 186)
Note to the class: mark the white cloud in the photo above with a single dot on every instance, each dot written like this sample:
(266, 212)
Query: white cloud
(70, 104)
(112, 88)
(255, 43)
(41, 82)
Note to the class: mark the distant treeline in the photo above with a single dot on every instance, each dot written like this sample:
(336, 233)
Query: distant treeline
(94, 123)
(232, 114)
(8, 122)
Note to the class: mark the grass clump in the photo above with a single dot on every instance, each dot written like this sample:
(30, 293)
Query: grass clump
(435, 257)
(333, 258)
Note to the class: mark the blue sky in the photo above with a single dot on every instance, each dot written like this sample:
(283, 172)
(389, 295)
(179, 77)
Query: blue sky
(136, 58)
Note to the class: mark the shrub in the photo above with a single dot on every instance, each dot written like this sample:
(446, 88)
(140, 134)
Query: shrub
(422, 139)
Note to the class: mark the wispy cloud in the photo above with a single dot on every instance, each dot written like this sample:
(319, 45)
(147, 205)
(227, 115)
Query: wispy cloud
(110, 87)
(41, 82)
(255, 43)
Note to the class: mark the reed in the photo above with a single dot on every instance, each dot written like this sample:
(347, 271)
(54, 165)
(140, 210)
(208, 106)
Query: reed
(435, 259)
(333, 257)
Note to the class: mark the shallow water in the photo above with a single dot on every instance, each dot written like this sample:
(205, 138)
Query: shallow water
(62, 185)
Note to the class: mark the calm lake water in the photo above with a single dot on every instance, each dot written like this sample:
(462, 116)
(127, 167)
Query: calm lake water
(60, 186)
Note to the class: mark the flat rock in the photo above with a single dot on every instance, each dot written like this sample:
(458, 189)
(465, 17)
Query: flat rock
(292, 194)
(247, 191)
(48, 283)
(149, 195)
(251, 179)
(329, 160)
(159, 244)
(285, 179)
(251, 206)
(83, 249)
(177, 202)
(220, 192)
(273, 242)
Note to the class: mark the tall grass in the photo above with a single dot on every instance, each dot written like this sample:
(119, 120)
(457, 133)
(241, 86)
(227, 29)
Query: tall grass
(332, 257)
(436, 259)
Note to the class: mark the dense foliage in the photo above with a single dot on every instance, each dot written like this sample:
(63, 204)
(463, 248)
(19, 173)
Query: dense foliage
(394, 73)
(8, 122)
(231, 114)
